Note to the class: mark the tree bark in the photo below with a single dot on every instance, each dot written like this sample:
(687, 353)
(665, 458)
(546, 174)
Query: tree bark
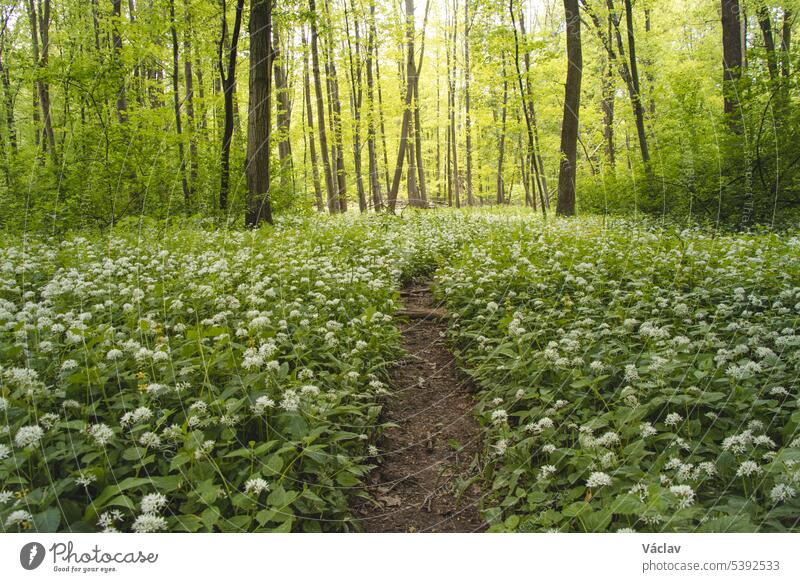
(189, 84)
(258, 118)
(731, 60)
(283, 114)
(228, 80)
(40, 33)
(374, 182)
(467, 113)
(337, 152)
(502, 141)
(310, 125)
(572, 100)
(333, 199)
(177, 104)
(356, 98)
(8, 99)
(411, 72)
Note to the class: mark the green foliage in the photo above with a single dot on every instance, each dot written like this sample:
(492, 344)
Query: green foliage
(632, 376)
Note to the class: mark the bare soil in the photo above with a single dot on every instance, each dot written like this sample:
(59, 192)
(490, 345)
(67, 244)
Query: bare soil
(426, 458)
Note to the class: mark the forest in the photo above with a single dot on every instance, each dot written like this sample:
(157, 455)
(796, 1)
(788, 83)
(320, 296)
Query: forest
(399, 266)
(230, 110)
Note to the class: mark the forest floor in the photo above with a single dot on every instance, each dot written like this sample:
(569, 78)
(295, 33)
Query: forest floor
(433, 437)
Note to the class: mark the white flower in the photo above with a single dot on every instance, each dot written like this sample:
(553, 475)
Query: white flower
(149, 523)
(647, 430)
(684, 493)
(499, 416)
(256, 486)
(18, 517)
(673, 419)
(631, 374)
(150, 440)
(598, 479)
(114, 354)
(748, 468)
(500, 447)
(153, 502)
(102, 433)
(67, 365)
(85, 480)
(5, 451)
(262, 404)
(28, 437)
(290, 401)
(546, 470)
(782, 492)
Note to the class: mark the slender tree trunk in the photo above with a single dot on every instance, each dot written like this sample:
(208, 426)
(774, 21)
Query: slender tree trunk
(453, 141)
(731, 60)
(527, 108)
(384, 149)
(467, 112)
(283, 113)
(374, 181)
(786, 41)
(765, 23)
(258, 118)
(116, 48)
(177, 104)
(501, 147)
(411, 72)
(637, 92)
(40, 32)
(572, 100)
(418, 152)
(311, 138)
(340, 176)
(189, 83)
(333, 199)
(608, 92)
(356, 97)
(8, 99)
(228, 81)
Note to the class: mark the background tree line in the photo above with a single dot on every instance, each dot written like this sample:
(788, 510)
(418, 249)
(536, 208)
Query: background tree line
(236, 110)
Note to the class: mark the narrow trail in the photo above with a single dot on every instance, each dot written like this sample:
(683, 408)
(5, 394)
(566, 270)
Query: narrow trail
(435, 438)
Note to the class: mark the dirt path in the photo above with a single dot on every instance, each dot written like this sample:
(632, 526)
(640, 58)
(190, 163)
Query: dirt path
(436, 438)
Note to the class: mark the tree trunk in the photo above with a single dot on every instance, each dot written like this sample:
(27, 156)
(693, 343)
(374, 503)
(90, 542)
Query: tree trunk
(283, 114)
(228, 80)
(8, 99)
(527, 108)
(731, 60)
(258, 117)
(572, 100)
(333, 200)
(411, 72)
(786, 41)
(467, 113)
(356, 98)
(456, 186)
(310, 125)
(40, 32)
(177, 103)
(765, 23)
(418, 152)
(374, 182)
(189, 83)
(502, 145)
(340, 176)
(608, 92)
